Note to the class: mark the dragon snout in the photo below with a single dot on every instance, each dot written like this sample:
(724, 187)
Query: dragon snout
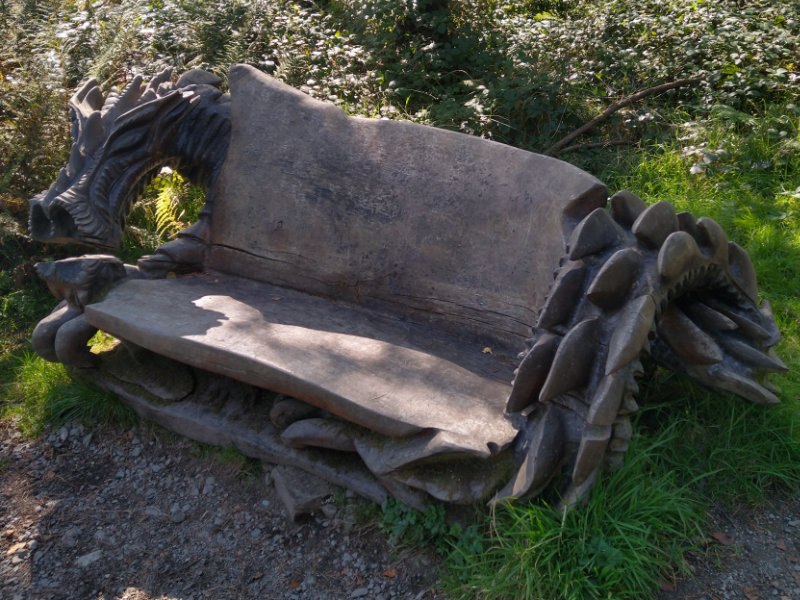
(54, 225)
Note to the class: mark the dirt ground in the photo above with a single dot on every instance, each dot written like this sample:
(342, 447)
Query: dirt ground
(111, 514)
(108, 514)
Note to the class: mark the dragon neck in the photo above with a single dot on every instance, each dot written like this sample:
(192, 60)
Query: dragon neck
(200, 142)
(186, 130)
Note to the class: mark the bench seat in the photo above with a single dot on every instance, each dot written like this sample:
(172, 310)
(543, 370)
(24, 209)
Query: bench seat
(376, 370)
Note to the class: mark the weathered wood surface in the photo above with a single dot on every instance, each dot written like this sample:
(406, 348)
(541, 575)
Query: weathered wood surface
(381, 372)
(442, 227)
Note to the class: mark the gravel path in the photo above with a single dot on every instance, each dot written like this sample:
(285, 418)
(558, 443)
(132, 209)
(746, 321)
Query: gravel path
(758, 552)
(113, 514)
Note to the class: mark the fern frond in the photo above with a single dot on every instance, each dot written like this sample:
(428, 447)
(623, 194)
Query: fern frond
(167, 219)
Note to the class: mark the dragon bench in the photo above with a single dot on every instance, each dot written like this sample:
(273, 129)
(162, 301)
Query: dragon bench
(398, 309)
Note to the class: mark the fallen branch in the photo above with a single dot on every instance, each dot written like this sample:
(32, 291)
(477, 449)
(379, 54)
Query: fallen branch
(590, 145)
(557, 147)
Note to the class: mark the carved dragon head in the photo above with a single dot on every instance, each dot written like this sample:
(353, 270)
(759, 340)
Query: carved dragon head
(120, 142)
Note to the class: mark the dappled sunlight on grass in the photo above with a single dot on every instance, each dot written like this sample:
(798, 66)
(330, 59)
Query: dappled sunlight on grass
(44, 395)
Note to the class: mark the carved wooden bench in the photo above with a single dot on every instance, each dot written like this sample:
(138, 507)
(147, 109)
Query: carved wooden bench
(442, 315)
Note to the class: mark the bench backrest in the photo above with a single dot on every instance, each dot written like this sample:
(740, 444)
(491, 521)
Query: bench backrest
(434, 225)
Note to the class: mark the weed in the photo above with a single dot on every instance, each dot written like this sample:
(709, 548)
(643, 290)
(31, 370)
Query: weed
(412, 528)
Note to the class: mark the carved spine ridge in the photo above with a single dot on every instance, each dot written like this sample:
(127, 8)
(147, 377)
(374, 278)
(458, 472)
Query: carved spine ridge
(655, 276)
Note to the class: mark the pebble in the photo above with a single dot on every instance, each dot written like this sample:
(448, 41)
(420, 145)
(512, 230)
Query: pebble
(177, 516)
(87, 559)
(116, 513)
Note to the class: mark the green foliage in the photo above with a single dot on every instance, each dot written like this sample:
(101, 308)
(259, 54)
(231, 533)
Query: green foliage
(635, 529)
(412, 528)
(24, 299)
(42, 395)
(735, 451)
(34, 131)
(168, 205)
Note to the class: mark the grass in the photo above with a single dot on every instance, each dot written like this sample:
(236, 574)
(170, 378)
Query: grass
(43, 395)
(642, 520)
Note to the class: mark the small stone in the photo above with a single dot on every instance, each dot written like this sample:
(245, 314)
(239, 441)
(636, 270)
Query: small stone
(87, 439)
(209, 485)
(70, 537)
(177, 515)
(152, 511)
(63, 434)
(329, 510)
(795, 523)
(105, 538)
(88, 559)
(359, 592)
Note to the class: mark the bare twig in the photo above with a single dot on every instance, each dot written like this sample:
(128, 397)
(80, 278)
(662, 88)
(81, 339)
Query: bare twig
(557, 147)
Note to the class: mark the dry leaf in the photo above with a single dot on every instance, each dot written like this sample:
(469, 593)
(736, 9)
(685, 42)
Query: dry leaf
(722, 537)
(390, 572)
(751, 593)
(781, 545)
(294, 583)
(487, 350)
(257, 576)
(16, 548)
